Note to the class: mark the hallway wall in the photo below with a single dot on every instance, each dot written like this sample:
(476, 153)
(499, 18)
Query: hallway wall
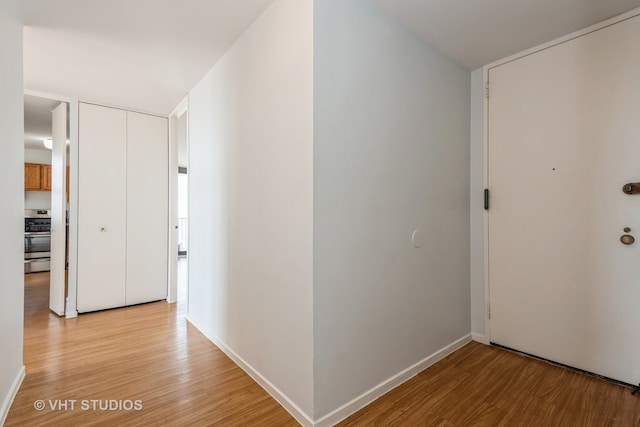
(12, 196)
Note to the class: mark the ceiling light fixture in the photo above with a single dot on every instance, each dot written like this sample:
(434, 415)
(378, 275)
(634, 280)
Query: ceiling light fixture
(48, 143)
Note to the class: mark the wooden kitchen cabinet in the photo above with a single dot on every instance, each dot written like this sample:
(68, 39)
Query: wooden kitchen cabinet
(37, 177)
(32, 176)
(45, 183)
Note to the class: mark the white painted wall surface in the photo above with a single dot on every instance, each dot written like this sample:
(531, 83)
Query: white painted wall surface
(37, 200)
(476, 208)
(11, 209)
(391, 155)
(37, 156)
(251, 181)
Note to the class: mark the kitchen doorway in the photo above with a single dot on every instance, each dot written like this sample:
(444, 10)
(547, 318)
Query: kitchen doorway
(46, 195)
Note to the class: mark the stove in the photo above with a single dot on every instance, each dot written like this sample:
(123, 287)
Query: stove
(37, 240)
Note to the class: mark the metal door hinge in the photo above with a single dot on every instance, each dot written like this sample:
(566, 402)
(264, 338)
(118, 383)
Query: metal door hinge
(488, 311)
(486, 199)
(486, 90)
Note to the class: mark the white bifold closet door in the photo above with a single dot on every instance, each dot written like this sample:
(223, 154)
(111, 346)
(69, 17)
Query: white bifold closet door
(147, 207)
(102, 213)
(122, 208)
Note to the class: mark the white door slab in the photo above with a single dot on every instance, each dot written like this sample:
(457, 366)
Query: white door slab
(563, 139)
(147, 207)
(102, 215)
(58, 210)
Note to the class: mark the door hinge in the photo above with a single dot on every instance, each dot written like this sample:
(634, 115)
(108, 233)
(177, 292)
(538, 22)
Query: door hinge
(486, 199)
(488, 311)
(486, 90)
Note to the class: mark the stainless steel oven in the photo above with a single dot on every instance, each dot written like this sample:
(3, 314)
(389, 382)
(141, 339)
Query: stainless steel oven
(37, 240)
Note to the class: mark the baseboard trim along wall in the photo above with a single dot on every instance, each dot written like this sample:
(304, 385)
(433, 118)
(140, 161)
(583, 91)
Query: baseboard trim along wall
(391, 383)
(480, 338)
(274, 391)
(8, 399)
(350, 407)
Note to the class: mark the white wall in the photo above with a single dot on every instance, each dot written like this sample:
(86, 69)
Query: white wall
(37, 199)
(11, 194)
(37, 156)
(250, 172)
(478, 306)
(391, 155)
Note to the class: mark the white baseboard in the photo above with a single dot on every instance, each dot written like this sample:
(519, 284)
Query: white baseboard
(350, 407)
(391, 383)
(8, 399)
(274, 391)
(480, 338)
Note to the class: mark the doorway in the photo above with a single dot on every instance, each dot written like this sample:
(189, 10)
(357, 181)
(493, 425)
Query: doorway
(46, 196)
(179, 206)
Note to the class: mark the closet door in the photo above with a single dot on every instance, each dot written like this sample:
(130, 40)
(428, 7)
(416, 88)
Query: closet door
(101, 207)
(147, 208)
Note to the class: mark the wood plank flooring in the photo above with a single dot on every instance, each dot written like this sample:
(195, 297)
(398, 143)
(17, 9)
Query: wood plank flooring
(485, 386)
(150, 353)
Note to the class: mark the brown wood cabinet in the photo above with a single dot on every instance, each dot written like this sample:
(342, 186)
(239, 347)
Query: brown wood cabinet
(45, 184)
(37, 177)
(33, 176)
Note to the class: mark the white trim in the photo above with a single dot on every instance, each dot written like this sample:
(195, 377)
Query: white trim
(74, 168)
(47, 95)
(13, 391)
(485, 154)
(389, 384)
(172, 250)
(274, 391)
(574, 35)
(480, 338)
(181, 108)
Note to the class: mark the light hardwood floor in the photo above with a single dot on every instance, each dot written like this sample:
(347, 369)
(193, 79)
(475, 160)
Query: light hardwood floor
(486, 386)
(150, 353)
(147, 352)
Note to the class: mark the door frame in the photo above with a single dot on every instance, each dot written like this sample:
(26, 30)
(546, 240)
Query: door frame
(70, 301)
(57, 280)
(485, 112)
(172, 252)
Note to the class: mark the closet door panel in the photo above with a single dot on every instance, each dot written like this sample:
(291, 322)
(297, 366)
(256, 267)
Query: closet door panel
(147, 208)
(101, 207)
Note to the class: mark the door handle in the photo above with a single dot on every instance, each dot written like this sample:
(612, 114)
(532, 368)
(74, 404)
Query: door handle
(631, 188)
(627, 239)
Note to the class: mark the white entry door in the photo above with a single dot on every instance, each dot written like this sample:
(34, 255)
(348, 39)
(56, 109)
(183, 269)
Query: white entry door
(563, 139)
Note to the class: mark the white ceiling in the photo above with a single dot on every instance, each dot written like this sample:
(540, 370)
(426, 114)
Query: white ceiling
(37, 121)
(477, 32)
(146, 54)
(139, 54)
